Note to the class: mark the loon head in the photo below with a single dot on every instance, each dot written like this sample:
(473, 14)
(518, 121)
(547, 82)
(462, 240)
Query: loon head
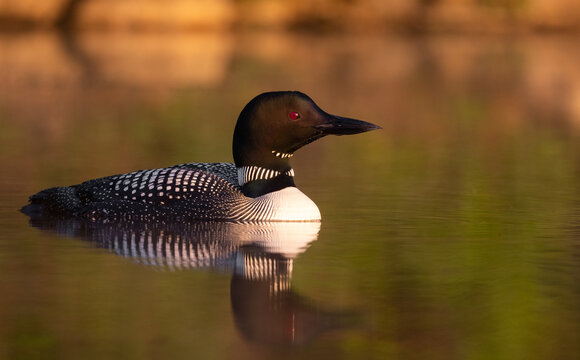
(271, 127)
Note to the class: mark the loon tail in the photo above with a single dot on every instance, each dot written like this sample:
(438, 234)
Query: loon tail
(63, 200)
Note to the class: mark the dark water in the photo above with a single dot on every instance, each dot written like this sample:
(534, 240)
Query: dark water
(454, 233)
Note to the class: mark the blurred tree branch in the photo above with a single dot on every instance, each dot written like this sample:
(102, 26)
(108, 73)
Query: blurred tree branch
(66, 18)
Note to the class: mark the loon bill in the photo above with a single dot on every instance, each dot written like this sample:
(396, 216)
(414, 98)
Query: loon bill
(258, 187)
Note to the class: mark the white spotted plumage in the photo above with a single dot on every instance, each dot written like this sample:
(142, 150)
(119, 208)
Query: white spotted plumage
(199, 191)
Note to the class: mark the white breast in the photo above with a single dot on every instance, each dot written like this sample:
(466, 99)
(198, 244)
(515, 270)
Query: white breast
(288, 204)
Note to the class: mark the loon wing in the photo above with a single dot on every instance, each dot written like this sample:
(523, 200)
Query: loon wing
(186, 191)
(226, 171)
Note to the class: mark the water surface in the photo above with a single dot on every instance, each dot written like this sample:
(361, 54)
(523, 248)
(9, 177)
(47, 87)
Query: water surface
(451, 234)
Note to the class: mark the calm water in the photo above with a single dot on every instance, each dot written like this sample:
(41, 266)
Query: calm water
(454, 233)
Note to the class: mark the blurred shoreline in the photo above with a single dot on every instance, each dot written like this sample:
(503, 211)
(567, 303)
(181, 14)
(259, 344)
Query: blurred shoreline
(401, 16)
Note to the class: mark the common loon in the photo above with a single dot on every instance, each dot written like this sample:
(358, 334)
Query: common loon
(258, 187)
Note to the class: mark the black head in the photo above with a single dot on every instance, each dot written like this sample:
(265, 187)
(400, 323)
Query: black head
(275, 124)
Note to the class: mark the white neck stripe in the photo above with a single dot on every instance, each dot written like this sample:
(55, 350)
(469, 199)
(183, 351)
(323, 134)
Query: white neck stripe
(251, 173)
(281, 154)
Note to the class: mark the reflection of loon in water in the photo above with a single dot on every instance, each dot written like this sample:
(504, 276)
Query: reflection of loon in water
(260, 256)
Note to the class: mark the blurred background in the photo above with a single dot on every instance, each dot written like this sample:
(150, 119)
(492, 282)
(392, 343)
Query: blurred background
(454, 230)
(364, 15)
(406, 64)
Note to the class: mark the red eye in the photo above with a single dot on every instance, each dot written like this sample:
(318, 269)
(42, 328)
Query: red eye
(294, 115)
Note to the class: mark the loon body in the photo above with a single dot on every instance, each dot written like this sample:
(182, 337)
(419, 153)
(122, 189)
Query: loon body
(258, 187)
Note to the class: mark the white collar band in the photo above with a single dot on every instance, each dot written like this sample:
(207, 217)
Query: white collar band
(251, 173)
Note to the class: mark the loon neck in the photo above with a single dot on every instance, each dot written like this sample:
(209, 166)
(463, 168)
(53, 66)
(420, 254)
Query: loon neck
(256, 181)
(247, 174)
